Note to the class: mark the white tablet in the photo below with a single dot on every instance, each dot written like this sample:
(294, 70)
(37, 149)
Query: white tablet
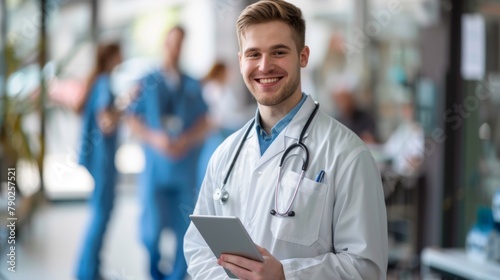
(226, 234)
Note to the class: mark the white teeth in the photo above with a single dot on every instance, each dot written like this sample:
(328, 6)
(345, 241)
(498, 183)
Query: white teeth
(268, 81)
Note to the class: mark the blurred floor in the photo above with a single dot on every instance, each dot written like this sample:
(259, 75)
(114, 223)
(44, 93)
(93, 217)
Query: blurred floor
(50, 245)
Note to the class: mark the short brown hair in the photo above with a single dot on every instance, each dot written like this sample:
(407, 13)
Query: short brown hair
(273, 10)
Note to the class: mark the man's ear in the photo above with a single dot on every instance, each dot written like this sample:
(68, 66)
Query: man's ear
(304, 56)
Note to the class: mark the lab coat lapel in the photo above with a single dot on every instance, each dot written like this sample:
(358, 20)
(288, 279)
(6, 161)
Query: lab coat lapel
(252, 147)
(290, 134)
(294, 128)
(276, 147)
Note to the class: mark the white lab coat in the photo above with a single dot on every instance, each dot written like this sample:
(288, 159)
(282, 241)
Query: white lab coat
(339, 230)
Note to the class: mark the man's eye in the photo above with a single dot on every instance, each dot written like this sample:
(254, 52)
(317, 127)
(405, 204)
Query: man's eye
(253, 55)
(279, 53)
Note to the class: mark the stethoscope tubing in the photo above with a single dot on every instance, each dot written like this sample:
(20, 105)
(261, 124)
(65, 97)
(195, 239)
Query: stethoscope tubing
(222, 195)
(287, 213)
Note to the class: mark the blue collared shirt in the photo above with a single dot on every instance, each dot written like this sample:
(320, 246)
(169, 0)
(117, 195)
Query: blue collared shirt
(266, 140)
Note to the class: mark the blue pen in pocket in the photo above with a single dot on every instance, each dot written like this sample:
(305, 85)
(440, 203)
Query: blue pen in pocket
(320, 176)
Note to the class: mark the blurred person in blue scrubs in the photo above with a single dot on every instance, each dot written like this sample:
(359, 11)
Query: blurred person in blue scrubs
(227, 112)
(170, 117)
(97, 153)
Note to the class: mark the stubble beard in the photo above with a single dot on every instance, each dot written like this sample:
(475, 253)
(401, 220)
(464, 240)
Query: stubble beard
(283, 94)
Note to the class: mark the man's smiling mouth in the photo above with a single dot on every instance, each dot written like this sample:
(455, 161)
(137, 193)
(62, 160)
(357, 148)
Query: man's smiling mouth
(268, 80)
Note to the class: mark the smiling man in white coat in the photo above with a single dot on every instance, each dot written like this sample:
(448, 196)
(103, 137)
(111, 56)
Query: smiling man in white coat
(322, 214)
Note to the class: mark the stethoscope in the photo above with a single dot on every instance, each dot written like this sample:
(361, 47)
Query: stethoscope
(222, 195)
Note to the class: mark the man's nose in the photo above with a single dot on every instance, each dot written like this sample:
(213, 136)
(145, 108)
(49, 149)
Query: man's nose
(266, 64)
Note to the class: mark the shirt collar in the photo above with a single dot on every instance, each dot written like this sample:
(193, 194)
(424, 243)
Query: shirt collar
(280, 125)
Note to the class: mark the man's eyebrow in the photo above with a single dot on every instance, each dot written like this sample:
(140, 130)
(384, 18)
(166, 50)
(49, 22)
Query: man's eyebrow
(280, 46)
(274, 47)
(251, 50)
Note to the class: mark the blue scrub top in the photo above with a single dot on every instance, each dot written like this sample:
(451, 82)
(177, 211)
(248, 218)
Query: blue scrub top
(172, 110)
(97, 151)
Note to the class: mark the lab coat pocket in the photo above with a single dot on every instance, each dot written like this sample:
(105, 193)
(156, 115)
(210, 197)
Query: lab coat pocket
(303, 228)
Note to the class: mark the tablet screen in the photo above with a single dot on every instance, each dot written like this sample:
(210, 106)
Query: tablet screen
(226, 234)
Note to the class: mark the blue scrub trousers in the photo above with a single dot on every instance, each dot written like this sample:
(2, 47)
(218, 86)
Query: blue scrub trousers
(101, 204)
(165, 208)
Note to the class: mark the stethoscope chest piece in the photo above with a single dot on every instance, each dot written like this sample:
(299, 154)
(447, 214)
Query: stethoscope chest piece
(221, 195)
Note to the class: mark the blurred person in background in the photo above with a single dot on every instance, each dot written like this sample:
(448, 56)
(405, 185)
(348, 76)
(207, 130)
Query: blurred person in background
(97, 154)
(170, 117)
(226, 112)
(349, 112)
(405, 146)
